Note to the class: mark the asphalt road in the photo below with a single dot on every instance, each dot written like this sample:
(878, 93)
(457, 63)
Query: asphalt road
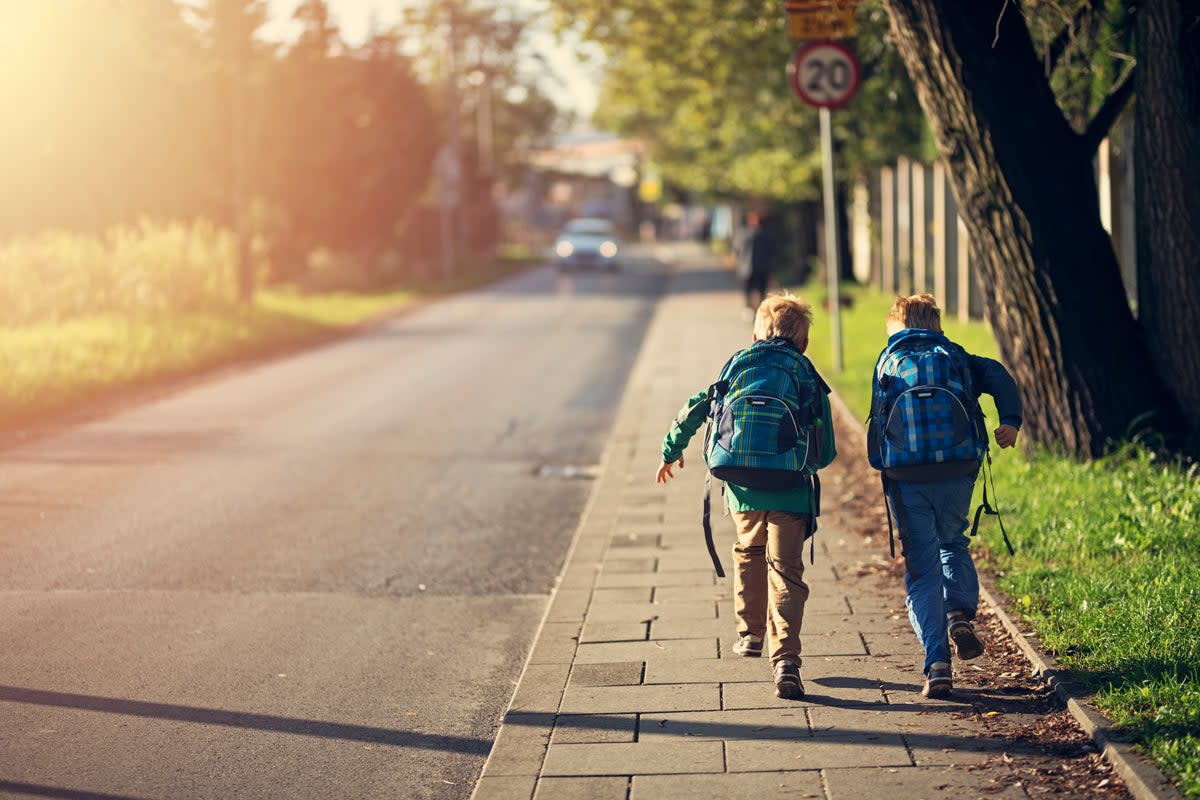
(314, 578)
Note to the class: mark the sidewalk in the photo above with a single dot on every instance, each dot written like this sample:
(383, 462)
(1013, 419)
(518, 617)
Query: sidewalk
(632, 690)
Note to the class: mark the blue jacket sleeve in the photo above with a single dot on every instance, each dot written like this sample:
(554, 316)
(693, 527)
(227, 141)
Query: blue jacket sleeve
(991, 377)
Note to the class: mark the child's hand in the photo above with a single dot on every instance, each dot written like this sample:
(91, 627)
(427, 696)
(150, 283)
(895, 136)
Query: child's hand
(664, 471)
(1006, 436)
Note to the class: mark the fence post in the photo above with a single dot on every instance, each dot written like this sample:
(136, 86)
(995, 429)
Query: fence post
(904, 225)
(940, 237)
(964, 272)
(919, 229)
(887, 230)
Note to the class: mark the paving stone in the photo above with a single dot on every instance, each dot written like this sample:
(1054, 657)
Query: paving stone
(618, 673)
(596, 631)
(964, 747)
(593, 728)
(540, 688)
(890, 783)
(635, 552)
(569, 605)
(556, 643)
(675, 627)
(504, 788)
(635, 759)
(604, 610)
(582, 789)
(789, 723)
(875, 750)
(639, 517)
(872, 623)
(646, 651)
(708, 670)
(860, 678)
(631, 496)
(729, 786)
(631, 594)
(670, 595)
(634, 540)
(761, 694)
(943, 723)
(617, 580)
(812, 643)
(636, 565)
(684, 559)
(520, 745)
(643, 699)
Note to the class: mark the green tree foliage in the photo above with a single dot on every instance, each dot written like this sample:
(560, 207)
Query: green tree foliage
(706, 85)
(167, 110)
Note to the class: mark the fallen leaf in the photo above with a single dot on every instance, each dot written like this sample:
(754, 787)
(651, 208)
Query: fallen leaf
(992, 714)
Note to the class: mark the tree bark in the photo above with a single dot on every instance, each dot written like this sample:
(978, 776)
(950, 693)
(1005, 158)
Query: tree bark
(1167, 144)
(1025, 187)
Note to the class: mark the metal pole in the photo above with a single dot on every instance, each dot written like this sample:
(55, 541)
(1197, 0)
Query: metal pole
(832, 270)
(451, 213)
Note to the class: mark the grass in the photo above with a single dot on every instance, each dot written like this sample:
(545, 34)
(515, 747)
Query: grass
(55, 365)
(1107, 569)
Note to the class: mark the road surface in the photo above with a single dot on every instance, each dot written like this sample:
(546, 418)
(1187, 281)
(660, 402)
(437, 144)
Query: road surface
(313, 578)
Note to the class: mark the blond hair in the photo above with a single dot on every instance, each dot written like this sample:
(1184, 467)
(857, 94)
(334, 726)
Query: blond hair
(783, 315)
(917, 311)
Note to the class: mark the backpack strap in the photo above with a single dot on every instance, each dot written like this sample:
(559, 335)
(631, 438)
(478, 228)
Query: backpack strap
(706, 522)
(706, 513)
(986, 508)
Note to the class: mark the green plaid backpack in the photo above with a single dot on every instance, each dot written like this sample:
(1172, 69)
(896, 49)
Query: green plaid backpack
(766, 428)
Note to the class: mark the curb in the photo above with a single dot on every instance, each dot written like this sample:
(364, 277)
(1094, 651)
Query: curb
(550, 690)
(1144, 780)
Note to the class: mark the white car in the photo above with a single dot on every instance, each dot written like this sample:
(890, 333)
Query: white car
(587, 242)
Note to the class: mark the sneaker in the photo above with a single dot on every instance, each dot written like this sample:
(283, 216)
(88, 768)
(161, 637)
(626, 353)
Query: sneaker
(938, 682)
(962, 634)
(748, 645)
(787, 681)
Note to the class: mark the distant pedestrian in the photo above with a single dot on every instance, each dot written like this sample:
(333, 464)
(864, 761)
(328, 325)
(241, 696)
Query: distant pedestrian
(780, 388)
(756, 253)
(926, 434)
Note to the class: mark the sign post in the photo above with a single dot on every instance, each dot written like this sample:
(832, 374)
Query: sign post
(826, 74)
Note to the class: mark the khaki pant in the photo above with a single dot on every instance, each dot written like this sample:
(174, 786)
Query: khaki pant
(768, 580)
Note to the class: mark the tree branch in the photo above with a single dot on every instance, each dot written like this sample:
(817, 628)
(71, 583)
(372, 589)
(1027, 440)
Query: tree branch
(1109, 111)
(1060, 43)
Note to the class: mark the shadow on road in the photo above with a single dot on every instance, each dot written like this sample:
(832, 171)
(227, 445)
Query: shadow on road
(240, 719)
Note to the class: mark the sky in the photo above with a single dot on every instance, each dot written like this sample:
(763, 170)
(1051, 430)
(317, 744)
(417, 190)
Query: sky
(577, 90)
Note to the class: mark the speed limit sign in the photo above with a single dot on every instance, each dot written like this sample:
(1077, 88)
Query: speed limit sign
(824, 74)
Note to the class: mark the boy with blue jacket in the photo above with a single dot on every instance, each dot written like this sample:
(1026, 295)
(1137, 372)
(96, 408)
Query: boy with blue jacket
(931, 507)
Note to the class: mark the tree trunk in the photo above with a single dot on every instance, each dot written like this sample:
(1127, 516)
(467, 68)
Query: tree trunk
(1167, 142)
(1024, 184)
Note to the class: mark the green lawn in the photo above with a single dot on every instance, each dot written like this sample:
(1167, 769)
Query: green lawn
(1107, 569)
(55, 366)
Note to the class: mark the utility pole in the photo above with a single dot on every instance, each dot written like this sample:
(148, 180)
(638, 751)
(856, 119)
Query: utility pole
(447, 166)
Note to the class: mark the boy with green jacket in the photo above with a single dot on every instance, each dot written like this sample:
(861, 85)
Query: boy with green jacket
(772, 526)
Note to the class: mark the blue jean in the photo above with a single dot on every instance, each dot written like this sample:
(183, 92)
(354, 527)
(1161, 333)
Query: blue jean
(939, 573)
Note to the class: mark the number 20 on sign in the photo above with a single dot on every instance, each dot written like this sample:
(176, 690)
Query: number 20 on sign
(824, 74)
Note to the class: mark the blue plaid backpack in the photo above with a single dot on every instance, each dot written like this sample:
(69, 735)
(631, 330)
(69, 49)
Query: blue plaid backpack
(925, 422)
(766, 428)
(765, 411)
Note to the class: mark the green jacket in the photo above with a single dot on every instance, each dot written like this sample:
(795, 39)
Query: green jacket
(739, 498)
